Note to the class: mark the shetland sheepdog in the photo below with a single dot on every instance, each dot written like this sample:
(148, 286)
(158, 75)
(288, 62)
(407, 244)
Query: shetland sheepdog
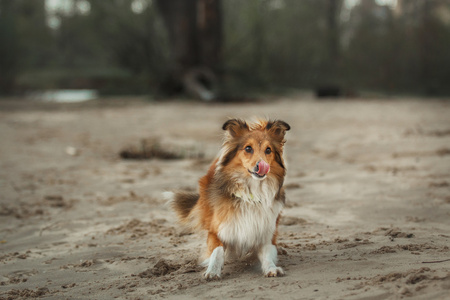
(241, 197)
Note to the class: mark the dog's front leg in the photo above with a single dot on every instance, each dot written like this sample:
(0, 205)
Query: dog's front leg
(216, 258)
(268, 257)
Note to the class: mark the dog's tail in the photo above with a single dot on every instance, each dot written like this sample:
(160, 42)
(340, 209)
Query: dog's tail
(183, 203)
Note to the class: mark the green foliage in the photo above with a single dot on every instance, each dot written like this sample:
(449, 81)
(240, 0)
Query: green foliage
(110, 48)
(275, 45)
(287, 43)
(267, 44)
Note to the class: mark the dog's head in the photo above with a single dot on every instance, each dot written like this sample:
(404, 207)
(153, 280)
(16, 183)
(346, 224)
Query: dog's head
(254, 149)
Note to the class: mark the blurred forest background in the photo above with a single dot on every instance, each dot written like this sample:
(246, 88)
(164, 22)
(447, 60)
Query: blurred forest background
(211, 47)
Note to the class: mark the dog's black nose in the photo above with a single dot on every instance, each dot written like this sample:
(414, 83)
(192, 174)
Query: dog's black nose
(256, 168)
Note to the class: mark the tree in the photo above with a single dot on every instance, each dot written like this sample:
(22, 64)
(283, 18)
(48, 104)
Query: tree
(195, 33)
(8, 47)
(328, 85)
(433, 45)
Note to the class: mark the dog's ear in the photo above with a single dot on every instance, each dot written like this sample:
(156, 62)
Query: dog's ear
(277, 129)
(235, 127)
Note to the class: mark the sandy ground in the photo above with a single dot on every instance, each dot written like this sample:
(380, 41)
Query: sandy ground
(367, 215)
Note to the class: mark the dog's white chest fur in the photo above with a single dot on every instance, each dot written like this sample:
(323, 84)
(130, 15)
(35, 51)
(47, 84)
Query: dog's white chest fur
(254, 222)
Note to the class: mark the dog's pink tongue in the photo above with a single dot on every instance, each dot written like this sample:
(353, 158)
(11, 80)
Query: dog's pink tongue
(263, 168)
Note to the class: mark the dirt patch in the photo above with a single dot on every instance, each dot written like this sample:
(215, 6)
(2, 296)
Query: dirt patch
(152, 148)
(164, 267)
(21, 210)
(292, 186)
(443, 151)
(410, 277)
(415, 219)
(85, 264)
(58, 201)
(384, 250)
(393, 233)
(354, 244)
(290, 221)
(131, 197)
(138, 229)
(439, 184)
(14, 255)
(27, 294)
(438, 152)
(422, 247)
(388, 169)
(161, 268)
(413, 248)
(433, 133)
(19, 276)
(397, 233)
(24, 210)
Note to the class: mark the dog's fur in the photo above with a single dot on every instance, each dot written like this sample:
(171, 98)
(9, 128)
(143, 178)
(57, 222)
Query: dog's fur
(239, 207)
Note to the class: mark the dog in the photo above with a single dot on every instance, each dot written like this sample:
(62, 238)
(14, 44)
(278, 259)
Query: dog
(241, 197)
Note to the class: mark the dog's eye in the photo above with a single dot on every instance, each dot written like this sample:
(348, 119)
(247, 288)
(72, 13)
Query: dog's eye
(268, 151)
(249, 149)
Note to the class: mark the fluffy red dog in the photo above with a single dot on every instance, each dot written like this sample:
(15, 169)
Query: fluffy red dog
(241, 197)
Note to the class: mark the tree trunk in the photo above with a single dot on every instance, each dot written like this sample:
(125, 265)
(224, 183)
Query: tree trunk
(328, 85)
(195, 32)
(427, 38)
(9, 50)
(333, 31)
(209, 25)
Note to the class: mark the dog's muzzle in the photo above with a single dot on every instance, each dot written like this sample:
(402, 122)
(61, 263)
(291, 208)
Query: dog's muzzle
(262, 168)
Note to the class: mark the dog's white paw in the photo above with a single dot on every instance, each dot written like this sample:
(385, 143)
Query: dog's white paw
(215, 264)
(211, 275)
(274, 272)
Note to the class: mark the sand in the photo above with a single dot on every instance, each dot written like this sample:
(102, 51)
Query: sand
(367, 213)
